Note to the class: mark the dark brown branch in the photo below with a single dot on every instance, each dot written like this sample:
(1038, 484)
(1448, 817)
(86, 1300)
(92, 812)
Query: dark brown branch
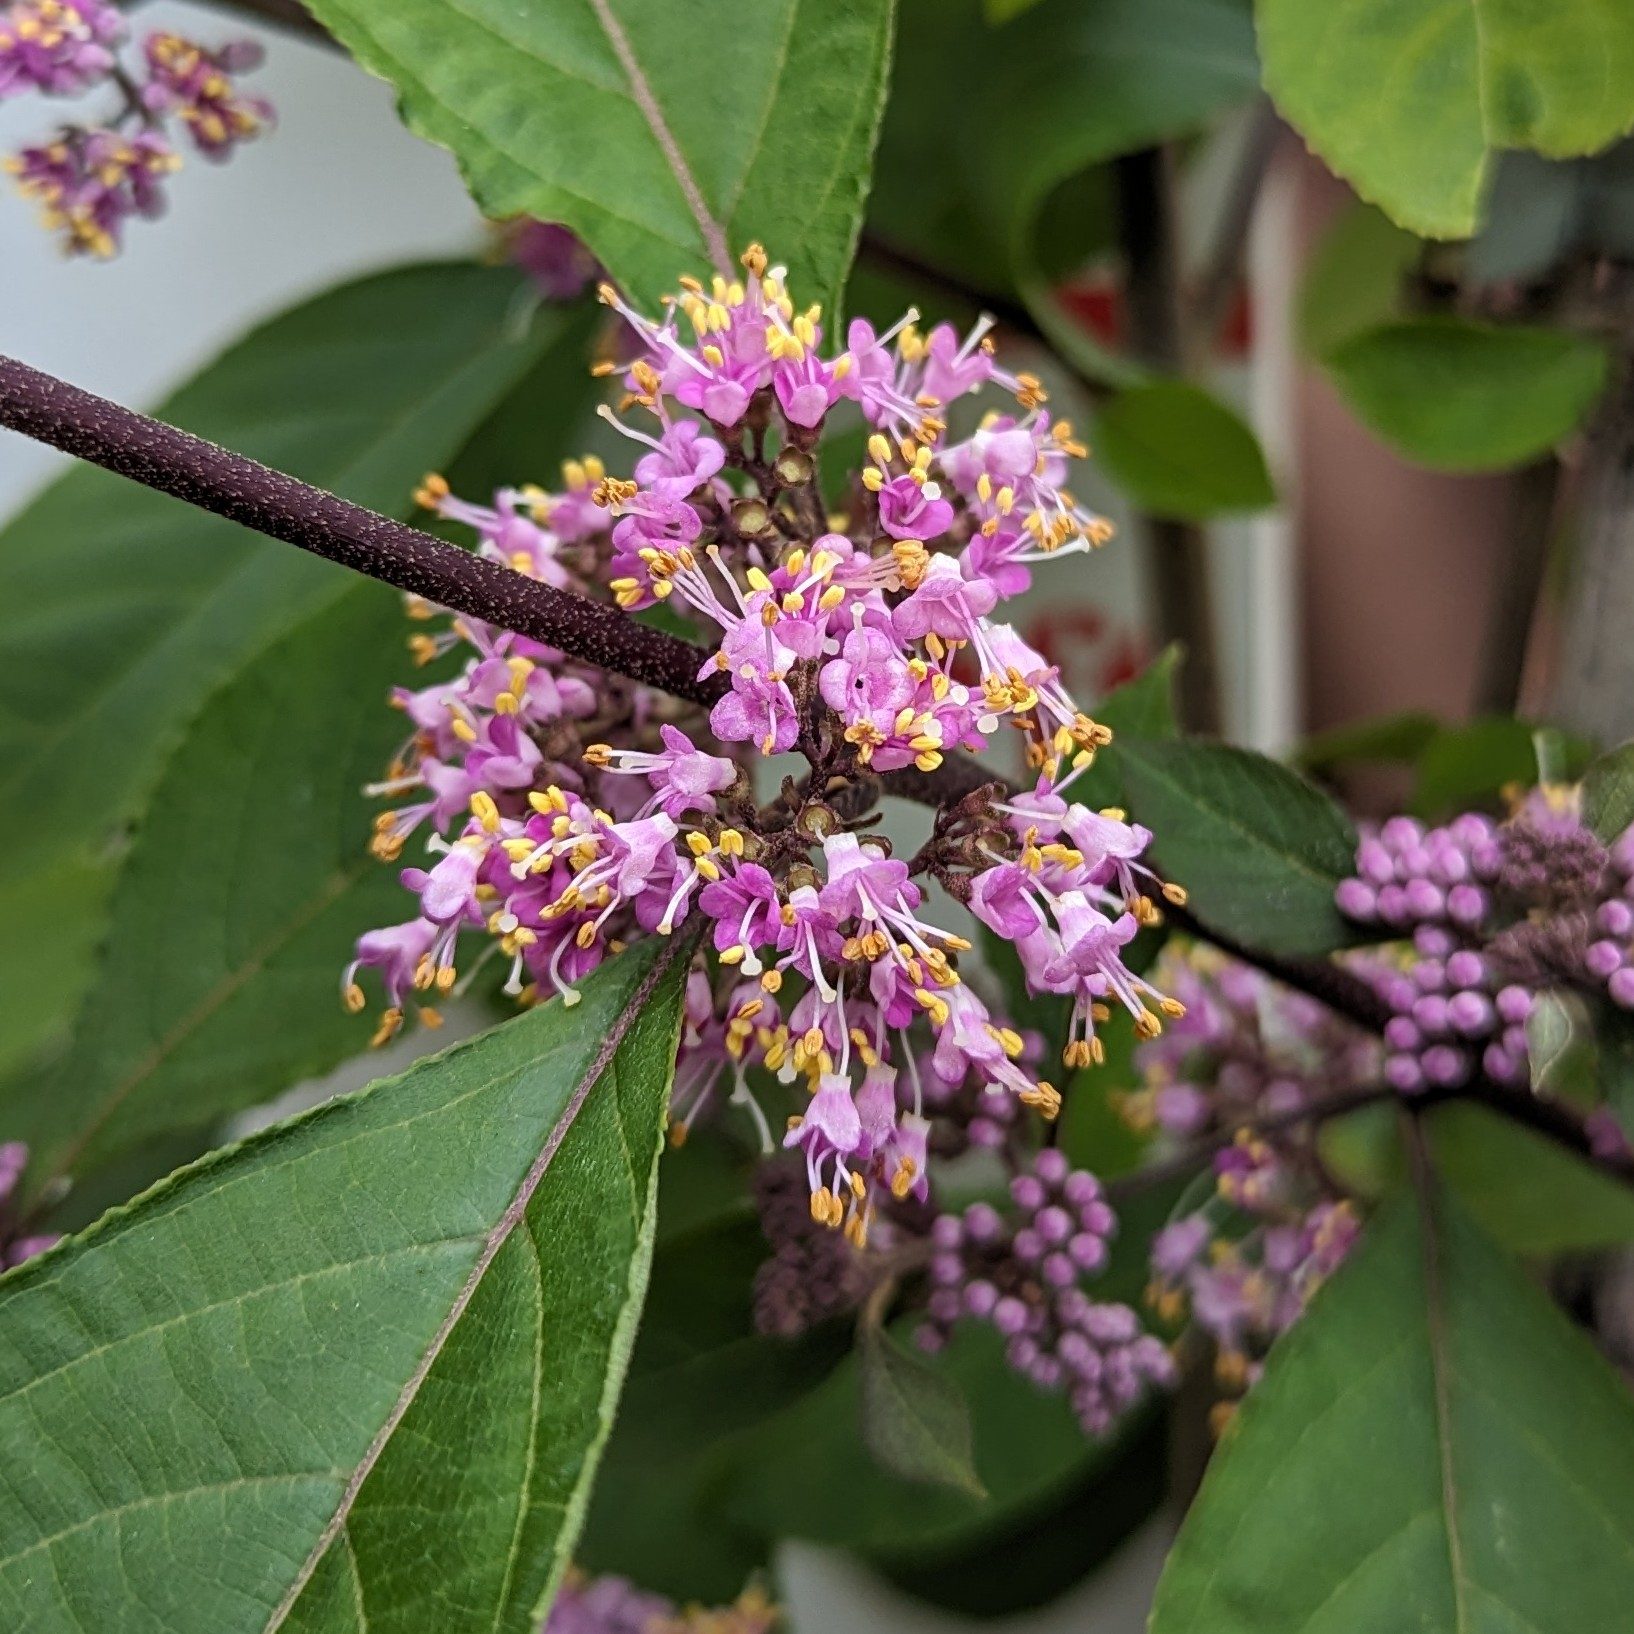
(174, 462)
(1552, 1119)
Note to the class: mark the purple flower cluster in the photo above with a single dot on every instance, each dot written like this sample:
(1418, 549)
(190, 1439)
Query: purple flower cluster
(1248, 1051)
(1023, 1274)
(1244, 1290)
(566, 813)
(17, 1241)
(614, 1605)
(1493, 915)
(90, 179)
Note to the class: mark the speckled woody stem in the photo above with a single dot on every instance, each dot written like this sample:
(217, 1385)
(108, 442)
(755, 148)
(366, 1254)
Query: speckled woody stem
(174, 462)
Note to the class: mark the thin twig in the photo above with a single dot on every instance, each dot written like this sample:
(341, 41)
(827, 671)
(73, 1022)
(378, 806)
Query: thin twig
(177, 463)
(1525, 555)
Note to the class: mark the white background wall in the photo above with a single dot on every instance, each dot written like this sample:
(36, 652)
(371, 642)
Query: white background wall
(339, 189)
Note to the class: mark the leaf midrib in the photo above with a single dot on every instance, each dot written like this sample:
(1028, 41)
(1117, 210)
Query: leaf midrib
(514, 1214)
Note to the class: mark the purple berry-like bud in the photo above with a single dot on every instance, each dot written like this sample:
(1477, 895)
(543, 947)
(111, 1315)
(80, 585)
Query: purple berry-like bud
(946, 1269)
(1621, 988)
(1028, 1246)
(1423, 899)
(1403, 1074)
(1081, 1187)
(1021, 1353)
(1393, 905)
(1071, 1306)
(1433, 941)
(1401, 832)
(1401, 1033)
(983, 1223)
(1009, 1316)
(929, 1338)
(1051, 1166)
(1500, 1065)
(980, 1298)
(1356, 899)
(1098, 1217)
(1059, 1271)
(1449, 865)
(944, 1305)
(1429, 976)
(1089, 1252)
(1027, 1192)
(1078, 1354)
(1374, 863)
(1445, 1066)
(947, 1231)
(1603, 959)
(1615, 918)
(1053, 1224)
(1471, 1013)
(1110, 1324)
(1466, 969)
(1466, 904)
(1430, 1014)
(1046, 1373)
(1514, 1004)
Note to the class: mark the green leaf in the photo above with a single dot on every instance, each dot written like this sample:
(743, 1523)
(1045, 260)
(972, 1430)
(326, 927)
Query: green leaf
(1122, 74)
(1608, 793)
(1259, 849)
(1472, 764)
(1001, 11)
(239, 901)
(1178, 452)
(125, 609)
(1353, 281)
(357, 1372)
(1461, 396)
(914, 1418)
(1484, 1455)
(666, 136)
(1391, 739)
(1409, 100)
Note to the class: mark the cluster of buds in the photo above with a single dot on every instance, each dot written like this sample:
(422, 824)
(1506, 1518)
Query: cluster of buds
(567, 813)
(1023, 1272)
(1489, 916)
(89, 179)
(1248, 1058)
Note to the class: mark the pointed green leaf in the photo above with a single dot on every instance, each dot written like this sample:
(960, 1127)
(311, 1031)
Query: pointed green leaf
(1260, 850)
(125, 609)
(1121, 74)
(1409, 100)
(354, 1374)
(914, 1418)
(1178, 451)
(667, 136)
(1608, 793)
(1431, 1447)
(238, 902)
(1463, 396)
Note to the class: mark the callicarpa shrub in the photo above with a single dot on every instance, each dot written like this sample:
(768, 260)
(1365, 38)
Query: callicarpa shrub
(866, 1057)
